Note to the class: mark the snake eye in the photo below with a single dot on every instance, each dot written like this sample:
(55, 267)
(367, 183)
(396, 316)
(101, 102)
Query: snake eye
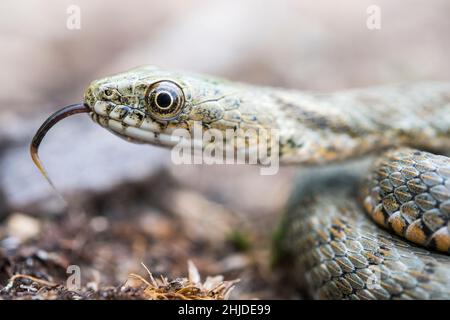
(165, 100)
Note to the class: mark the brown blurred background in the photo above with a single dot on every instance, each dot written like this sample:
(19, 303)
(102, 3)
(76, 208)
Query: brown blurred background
(314, 44)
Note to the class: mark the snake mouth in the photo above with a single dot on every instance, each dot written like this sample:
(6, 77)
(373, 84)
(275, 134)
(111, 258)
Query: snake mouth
(140, 135)
(46, 126)
(132, 124)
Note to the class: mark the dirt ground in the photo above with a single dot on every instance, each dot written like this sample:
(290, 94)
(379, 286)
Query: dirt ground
(129, 214)
(146, 228)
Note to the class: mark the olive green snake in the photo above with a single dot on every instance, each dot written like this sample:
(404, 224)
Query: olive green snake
(397, 249)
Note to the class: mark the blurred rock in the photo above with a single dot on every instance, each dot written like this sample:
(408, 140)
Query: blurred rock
(99, 224)
(78, 155)
(156, 224)
(239, 187)
(202, 220)
(235, 262)
(22, 227)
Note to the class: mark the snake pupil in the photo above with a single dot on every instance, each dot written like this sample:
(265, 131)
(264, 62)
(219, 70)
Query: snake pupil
(164, 100)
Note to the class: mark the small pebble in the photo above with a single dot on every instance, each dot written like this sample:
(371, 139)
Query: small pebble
(22, 226)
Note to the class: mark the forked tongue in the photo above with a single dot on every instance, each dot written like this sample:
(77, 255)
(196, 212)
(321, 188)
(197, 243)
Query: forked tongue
(45, 127)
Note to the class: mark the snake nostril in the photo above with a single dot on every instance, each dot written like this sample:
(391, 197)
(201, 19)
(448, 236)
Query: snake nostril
(125, 100)
(108, 93)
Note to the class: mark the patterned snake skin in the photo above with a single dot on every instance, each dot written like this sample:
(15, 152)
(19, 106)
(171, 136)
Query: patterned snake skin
(338, 250)
(339, 253)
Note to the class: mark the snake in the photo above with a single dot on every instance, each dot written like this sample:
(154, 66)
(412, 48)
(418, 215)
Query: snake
(380, 234)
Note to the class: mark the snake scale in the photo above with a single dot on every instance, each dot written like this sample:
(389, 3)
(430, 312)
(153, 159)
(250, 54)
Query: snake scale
(382, 237)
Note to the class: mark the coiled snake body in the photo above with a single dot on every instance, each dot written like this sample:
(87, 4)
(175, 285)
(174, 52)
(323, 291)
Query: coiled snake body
(337, 249)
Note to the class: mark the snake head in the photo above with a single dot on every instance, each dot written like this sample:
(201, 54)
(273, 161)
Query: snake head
(147, 104)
